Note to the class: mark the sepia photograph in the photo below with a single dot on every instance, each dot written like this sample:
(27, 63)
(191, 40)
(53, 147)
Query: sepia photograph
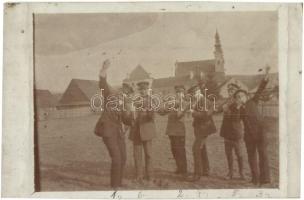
(89, 138)
(150, 100)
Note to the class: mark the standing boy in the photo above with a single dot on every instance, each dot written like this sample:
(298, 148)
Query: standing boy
(142, 133)
(176, 131)
(231, 131)
(255, 134)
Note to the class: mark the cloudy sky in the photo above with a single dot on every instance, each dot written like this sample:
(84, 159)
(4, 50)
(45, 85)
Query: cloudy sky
(74, 45)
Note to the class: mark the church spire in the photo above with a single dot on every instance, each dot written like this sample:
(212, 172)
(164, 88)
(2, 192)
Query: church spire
(218, 54)
(218, 46)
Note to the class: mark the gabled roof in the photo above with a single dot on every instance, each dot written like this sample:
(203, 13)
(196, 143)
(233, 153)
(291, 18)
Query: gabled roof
(139, 73)
(253, 81)
(88, 87)
(79, 91)
(172, 81)
(45, 99)
(183, 68)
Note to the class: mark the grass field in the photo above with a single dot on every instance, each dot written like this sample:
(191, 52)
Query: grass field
(73, 158)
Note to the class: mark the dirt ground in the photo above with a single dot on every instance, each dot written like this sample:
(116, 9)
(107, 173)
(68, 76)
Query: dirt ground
(72, 158)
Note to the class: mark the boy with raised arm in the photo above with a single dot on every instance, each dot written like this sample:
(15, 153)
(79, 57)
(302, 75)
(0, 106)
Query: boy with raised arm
(254, 132)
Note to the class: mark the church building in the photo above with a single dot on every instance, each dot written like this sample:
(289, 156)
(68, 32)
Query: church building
(186, 73)
(213, 68)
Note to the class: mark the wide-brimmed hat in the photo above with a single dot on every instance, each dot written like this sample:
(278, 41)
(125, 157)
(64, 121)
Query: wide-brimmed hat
(179, 88)
(128, 87)
(240, 91)
(193, 88)
(143, 85)
(233, 86)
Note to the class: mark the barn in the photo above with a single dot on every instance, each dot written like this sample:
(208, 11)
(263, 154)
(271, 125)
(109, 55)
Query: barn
(45, 100)
(78, 94)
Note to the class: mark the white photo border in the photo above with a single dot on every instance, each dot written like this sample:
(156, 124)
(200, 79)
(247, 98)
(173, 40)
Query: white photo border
(18, 109)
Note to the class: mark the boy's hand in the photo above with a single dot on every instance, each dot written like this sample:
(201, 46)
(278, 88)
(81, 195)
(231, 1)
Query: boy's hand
(267, 69)
(105, 66)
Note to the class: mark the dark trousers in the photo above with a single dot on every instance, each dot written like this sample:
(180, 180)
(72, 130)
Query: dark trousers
(179, 152)
(259, 166)
(205, 160)
(117, 150)
(230, 146)
(138, 148)
(200, 154)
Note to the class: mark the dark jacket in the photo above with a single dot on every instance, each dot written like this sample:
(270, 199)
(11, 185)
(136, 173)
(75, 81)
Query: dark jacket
(252, 118)
(231, 128)
(175, 124)
(110, 122)
(202, 119)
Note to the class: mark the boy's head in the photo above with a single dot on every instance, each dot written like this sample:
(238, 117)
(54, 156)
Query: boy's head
(127, 89)
(194, 90)
(241, 96)
(179, 90)
(232, 88)
(143, 87)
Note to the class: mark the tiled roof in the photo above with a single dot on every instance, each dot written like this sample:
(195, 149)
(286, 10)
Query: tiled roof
(139, 73)
(184, 68)
(172, 81)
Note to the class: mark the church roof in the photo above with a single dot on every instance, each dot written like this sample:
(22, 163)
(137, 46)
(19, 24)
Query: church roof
(172, 81)
(139, 73)
(184, 68)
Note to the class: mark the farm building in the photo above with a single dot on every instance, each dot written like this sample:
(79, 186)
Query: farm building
(78, 94)
(252, 81)
(249, 83)
(45, 100)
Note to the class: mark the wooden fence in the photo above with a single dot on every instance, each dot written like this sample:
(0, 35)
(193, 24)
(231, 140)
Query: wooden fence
(267, 110)
(66, 113)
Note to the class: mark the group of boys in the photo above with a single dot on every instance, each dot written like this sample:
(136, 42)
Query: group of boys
(142, 130)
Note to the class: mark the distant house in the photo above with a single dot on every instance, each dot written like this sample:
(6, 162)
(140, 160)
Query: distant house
(137, 75)
(78, 94)
(253, 81)
(273, 82)
(45, 100)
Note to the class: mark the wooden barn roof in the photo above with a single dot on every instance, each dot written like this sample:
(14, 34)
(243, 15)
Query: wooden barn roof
(79, 91)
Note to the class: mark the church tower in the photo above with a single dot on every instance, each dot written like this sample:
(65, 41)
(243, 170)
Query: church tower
(218, 55)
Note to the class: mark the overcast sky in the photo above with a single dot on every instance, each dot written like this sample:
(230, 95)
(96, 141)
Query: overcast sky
(74, 45)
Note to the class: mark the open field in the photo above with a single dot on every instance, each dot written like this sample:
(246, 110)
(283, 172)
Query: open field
(73, 158)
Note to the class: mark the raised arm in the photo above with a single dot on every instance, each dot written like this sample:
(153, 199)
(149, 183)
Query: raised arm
(262, 85)
(103, 84)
